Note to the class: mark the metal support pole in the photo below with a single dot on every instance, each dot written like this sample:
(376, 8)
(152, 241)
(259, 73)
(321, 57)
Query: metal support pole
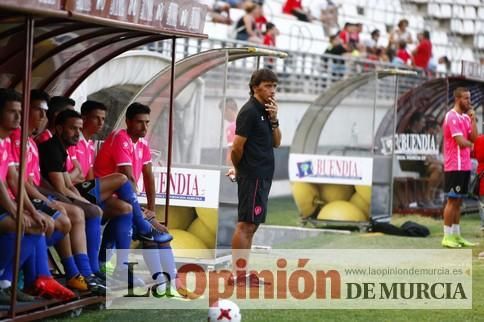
(170, 127)
(373, 121)
(224, 102)
(29, 43)
(395, 106)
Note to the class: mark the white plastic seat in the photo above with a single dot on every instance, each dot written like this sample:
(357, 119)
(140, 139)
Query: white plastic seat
(479, 41)
(470, 12)
(349, 9)
(445, 10)
(456, 25)
(457, 11)
(480, 13)
(467, 54)
(468, 27)
(433, 10)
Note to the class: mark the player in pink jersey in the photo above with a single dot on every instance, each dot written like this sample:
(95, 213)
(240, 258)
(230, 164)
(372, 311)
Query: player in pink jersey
(33, 257)
(126, 151)
(56, 105)
(69, 235)
(459, 131)
(118, 208)
(229, 115)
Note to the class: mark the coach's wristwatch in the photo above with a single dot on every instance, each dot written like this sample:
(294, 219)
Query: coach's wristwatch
(275, 124)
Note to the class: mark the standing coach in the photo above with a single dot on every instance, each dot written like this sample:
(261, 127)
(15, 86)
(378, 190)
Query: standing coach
(257, 133)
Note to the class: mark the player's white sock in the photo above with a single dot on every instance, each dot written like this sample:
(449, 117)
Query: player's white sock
(456, 229)
(447, 230)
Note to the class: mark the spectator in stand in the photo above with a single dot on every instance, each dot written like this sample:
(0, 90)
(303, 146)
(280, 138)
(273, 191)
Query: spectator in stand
(400, 33)
(260, 19)
(393, 58)
(246, 27)
(423, 52)
(344, 34)
(328, 14)
(373, 54)
(444, 65)
(294, 7)
(336, 48)
(403, 54)
(372, 43)
(270, 41)
(350, 35)
(270, 35)
(354, 38)
(219, 11)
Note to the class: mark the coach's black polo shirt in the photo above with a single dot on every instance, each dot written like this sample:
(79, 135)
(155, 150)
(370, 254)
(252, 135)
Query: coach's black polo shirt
(258, 158)
(53, 156)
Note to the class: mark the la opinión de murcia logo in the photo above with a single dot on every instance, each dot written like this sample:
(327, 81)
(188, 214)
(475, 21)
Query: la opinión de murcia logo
(297, 283)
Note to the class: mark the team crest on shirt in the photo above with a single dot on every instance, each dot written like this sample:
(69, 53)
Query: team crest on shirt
(262, 118)
(140, 154)
(125, 145)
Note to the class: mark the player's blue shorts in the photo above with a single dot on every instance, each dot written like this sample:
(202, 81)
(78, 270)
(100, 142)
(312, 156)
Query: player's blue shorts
(91, 190)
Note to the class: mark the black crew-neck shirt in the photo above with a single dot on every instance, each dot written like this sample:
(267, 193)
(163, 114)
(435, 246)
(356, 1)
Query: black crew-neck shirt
(52, 156)
(258, 158)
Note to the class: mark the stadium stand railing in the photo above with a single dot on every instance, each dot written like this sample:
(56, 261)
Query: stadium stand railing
(300, 74)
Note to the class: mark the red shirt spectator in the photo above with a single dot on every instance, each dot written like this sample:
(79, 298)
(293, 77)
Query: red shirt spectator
(290, 5)
(344, 34)
(270, 35)
(260, 22)
(270, 40)
(403, 55)
(423, 52)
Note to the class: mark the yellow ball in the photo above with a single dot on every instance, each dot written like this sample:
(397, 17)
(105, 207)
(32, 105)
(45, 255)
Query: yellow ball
(359, 202)
(178, 217)
(209, 216)
(305, 194)
(364, 192)
(342, 211)
(199, 229)
(332, 192)
(185, 244)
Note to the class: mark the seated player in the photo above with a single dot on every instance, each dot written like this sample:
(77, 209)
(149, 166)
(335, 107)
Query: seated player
(56, 105)
(126, 151)
(69, 235)
(33, 246)
(121, 208)
(53, 157)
